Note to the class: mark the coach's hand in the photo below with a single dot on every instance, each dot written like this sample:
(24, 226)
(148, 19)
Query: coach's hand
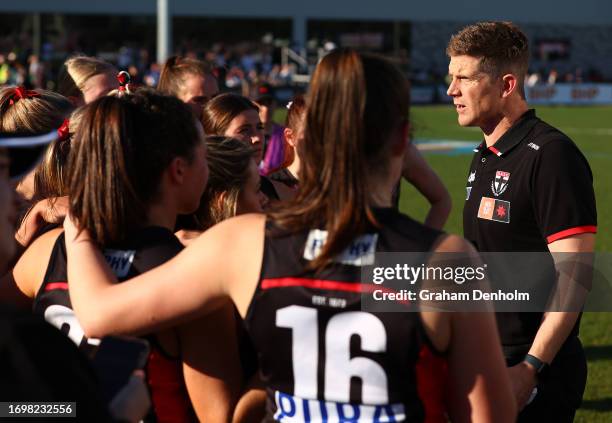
(523, 378)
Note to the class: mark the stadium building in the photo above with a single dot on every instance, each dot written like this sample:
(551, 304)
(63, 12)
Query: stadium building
(568, 39)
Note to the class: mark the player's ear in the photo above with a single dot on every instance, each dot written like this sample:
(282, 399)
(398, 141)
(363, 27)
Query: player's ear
(176, 170)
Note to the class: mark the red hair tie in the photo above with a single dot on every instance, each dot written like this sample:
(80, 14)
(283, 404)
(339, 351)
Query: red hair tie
(124, 79)
(21, 92)
(63, 132)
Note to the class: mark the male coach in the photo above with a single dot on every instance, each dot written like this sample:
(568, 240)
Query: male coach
(529, 189)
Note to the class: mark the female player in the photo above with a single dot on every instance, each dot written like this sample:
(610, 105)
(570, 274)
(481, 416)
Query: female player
(233, 187)
(415, 170)
(36, 112)
(152, 154)
(295, 276)
(83, 79)
(232, 115)
(190, 80)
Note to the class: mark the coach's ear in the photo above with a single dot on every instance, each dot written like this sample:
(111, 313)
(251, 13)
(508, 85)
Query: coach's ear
(401, 139)
(509, 85)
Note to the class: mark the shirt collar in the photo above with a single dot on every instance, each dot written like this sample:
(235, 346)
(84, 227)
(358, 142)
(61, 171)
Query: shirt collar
(513, 136)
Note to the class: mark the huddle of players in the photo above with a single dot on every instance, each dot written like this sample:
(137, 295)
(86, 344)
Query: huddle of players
(234, 330)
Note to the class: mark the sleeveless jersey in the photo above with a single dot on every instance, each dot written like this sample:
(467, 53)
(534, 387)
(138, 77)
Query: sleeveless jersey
(324, 359)
(145, 249)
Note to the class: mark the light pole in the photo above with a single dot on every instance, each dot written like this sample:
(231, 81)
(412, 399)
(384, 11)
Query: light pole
(164, 31)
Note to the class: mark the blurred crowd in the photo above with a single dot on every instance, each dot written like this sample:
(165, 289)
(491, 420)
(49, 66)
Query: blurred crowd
(238, 67)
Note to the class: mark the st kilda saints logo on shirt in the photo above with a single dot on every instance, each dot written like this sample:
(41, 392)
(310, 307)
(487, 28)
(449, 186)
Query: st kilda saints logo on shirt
(500, 183)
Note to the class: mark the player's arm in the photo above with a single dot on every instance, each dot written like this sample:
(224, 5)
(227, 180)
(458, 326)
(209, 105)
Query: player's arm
(19, 286)
(195, 282)
(418, 172)
(211, 364)
(479, 385)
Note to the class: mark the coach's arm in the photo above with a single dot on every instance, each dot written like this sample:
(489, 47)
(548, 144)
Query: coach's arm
(555, 327)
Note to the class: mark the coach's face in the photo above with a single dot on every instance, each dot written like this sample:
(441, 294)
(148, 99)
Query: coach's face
(476, 95)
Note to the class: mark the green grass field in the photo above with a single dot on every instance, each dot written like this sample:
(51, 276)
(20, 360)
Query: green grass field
(591, 129)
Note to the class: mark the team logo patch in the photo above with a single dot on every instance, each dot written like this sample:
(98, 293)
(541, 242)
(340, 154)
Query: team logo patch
(500, 183)
(468, 192)
(493, 209)
(359, 253)
(472, 177)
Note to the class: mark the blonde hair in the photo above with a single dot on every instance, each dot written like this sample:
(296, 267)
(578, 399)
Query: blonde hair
(77, 71)
(38, 112)
(175, 71)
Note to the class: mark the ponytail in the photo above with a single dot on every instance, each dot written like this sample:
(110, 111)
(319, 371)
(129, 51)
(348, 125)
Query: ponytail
(355, 103)
(121, 149)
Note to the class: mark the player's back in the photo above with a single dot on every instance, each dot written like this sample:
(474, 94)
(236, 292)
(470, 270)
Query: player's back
(322, 357)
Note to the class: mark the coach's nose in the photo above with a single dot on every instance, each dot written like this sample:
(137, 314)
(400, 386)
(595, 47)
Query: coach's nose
(453, 89)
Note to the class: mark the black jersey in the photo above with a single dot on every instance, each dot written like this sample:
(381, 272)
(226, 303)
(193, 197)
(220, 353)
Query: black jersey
(286, 177)
(144, 249)
(321, 357)
(267, 187)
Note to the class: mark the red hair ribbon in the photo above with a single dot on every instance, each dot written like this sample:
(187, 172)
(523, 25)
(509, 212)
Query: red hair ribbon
(124, 79)
(63, 132)
(21, 92)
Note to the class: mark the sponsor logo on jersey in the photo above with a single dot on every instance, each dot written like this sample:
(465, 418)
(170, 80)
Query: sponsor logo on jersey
(534, 146)
(500, 183)
(359, 253)
(494, 209)
(472, 177)
(294, 409)
(468, 192)
(120, 261)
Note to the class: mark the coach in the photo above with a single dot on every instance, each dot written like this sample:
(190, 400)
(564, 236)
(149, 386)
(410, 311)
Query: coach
(529, 188)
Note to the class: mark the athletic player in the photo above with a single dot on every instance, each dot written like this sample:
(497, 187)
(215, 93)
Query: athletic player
(83, 79)
(321, 357)
(154, 166)
(415, 170)
(190, 80)
(233, 115)
(233, 187)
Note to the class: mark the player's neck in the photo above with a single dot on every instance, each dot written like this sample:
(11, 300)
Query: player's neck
(294, 167)
(161, 215)
(494, 131)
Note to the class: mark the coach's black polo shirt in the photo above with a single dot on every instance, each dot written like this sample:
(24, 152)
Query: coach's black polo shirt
(531, 188)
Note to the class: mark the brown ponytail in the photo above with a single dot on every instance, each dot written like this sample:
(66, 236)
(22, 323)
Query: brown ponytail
(121, 148)
(356, 102)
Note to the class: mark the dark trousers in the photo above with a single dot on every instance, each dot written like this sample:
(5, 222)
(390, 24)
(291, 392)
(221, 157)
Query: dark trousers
(560, 394)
